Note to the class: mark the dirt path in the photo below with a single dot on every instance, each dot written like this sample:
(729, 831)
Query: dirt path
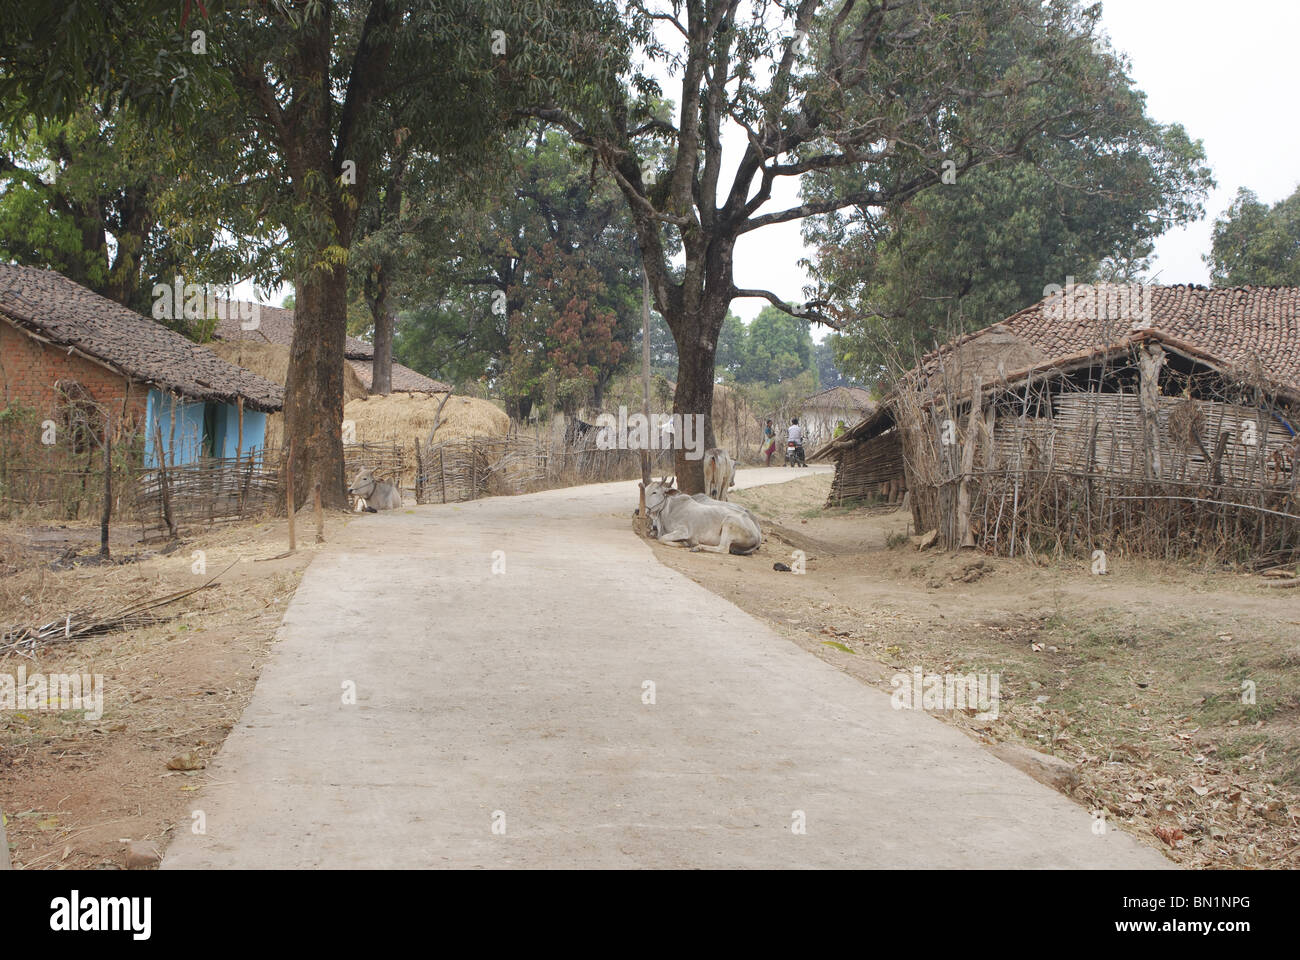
(518, 699)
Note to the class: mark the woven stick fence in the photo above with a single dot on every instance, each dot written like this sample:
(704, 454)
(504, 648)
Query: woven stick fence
(206, 492)
(387, 458)
(1052, 467)
(459, 470)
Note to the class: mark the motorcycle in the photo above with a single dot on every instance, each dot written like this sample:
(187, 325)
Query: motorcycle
(794, 456)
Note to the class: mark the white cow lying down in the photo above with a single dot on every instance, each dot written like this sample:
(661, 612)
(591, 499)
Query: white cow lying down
(699, 522)
(375, 494)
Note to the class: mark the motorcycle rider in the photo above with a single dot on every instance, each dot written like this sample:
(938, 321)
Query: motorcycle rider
(795, 435)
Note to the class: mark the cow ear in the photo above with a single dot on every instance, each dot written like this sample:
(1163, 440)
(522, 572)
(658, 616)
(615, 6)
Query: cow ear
(641, 484)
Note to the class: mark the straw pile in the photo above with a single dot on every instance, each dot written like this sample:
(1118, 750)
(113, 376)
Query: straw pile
(271, 360)
(405, 416)
(409, 416)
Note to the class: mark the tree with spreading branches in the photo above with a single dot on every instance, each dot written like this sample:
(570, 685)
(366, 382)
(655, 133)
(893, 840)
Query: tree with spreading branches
(893, 96)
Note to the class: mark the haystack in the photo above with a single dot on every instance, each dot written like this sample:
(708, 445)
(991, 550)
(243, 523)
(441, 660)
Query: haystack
(271, 360)
(408, 416)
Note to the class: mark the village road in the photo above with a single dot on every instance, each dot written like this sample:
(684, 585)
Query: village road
(534, 689)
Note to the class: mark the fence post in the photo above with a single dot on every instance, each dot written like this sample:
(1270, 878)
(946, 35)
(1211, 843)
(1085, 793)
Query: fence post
(964, 535)
(419, 473)
(1149, 362)
(288, 471)
(163, 481)
(108, 488)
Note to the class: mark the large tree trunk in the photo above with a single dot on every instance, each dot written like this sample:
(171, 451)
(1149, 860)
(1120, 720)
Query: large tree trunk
(382, 371)
(697, 346)
(313, 408)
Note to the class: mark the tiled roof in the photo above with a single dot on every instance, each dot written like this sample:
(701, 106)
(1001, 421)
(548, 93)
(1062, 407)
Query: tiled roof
(405, 380)
(54, 308)
(275, 325)
(1238, 330)
(1233, 327)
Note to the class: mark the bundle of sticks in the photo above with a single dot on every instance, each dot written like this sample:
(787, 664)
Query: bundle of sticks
(24, 639)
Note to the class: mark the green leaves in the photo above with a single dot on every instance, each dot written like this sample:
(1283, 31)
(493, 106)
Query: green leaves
(1255, 244)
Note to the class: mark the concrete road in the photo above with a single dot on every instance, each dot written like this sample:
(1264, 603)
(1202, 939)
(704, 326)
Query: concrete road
(501, 720)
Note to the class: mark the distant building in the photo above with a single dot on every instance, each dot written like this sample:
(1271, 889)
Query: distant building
(821, 412)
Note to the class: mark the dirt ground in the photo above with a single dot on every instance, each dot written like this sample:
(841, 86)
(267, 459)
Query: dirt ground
(1136, 676)
(74, 790)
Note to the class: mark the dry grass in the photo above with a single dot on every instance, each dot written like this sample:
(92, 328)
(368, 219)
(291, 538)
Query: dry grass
(1137, 677)
(271, 360)
(405, 416)
(74, 787)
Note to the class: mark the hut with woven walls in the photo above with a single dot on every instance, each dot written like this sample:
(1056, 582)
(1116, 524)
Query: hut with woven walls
(1162, 420)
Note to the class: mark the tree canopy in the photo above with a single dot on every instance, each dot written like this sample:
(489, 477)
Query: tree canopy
(1256, 244)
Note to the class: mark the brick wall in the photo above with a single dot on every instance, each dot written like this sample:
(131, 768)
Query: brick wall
(29, 369)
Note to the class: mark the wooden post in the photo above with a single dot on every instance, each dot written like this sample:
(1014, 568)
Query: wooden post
(1150, 361)
(288, 493)
(419, 473)
(968, 464)
(171, 438)
(239, 442)
(163, 480)
(320, 515)
(107, 512)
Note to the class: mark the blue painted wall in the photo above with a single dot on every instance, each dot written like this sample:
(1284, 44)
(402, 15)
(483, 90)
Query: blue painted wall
(202, 429)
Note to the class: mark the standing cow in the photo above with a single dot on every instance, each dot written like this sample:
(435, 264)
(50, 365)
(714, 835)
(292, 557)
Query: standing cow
(719, 473)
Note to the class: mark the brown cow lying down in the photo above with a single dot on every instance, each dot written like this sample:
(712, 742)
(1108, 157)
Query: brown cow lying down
(699, 522)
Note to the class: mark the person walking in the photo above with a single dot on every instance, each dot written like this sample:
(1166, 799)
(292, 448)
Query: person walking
(769, 438)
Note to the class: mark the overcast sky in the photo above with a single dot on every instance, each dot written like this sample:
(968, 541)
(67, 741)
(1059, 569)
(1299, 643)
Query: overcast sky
(1225, 70)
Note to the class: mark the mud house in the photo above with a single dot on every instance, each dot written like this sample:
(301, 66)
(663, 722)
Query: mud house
(275, 325)
(1162, 422)
(820, 413)
(64, 348)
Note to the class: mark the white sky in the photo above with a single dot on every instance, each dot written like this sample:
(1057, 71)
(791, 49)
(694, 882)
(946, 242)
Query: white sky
(1225, 71)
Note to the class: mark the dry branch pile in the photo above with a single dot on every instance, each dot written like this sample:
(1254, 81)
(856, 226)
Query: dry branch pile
(79, 624)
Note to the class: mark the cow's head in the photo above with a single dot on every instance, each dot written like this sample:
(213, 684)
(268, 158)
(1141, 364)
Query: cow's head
(363, 485)
(657, 493)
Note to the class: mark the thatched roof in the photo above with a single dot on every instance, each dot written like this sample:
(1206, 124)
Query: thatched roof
(52, 308)
(275, 325)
